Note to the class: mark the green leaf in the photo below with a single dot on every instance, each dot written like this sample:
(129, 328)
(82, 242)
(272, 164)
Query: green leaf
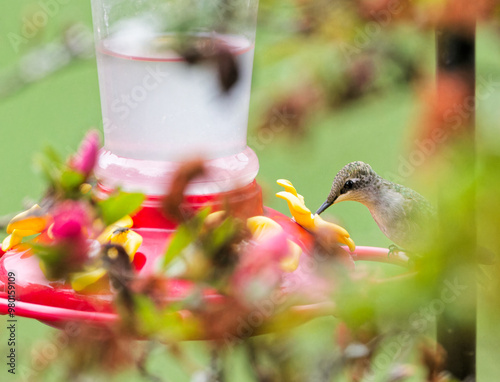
(164, 324)
(70, 180)
(117, 206)
(49, 254)
(185, 235)
(222, 234)
(47, 168)
(52, 156)
(147, 314)
(197, 221)
(50, 164)
(180, 240)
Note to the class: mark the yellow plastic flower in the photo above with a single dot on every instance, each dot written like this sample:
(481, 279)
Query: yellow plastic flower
(82, 280)
(120, 233)
(306, 219)
(116, 233)
(291, 262)
(128, 239)
(288, 186)
(299, 211)
(125, 222)
(11, 241)
(27, 223)
(33, 219)
(261, 227)
(85, 188)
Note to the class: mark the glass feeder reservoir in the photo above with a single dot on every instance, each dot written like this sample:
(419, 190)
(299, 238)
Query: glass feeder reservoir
(175, 80)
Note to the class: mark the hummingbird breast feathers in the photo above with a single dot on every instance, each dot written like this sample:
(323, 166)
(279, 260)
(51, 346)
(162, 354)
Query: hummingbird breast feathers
(404, 216)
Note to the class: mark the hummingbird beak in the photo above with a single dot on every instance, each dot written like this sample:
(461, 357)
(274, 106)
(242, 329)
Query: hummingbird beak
(324, 206)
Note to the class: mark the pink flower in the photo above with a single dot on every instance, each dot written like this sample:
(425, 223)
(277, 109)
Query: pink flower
(259, 272)
(71, 221)
(86, 157)
(69, 232)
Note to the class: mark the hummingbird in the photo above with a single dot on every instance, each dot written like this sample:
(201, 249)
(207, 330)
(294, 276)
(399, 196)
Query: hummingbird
(402, 214)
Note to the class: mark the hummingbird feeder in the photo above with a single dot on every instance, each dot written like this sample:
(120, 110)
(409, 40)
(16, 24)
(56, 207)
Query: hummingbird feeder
(175, 81)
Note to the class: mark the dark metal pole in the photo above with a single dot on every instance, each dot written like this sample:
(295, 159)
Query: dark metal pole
(457, 335)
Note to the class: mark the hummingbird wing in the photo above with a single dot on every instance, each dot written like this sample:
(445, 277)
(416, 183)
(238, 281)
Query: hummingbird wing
(420, 220)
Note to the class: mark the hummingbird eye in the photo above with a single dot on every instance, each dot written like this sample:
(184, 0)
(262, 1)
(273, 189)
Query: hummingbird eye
(347, 186)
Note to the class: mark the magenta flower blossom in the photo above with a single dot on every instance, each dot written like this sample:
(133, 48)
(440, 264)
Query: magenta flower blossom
(86, 157)
(71, 221)
(70, 231)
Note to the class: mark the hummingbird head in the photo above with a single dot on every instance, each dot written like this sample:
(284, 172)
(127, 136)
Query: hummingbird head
(353, 182)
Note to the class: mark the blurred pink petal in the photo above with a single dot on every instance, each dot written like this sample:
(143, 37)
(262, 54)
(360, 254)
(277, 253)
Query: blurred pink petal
(86, 157)
(71, 221)
(259, 272)
(69, 232)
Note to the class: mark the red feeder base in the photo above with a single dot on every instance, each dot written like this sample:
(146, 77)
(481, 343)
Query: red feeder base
(55, 302)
